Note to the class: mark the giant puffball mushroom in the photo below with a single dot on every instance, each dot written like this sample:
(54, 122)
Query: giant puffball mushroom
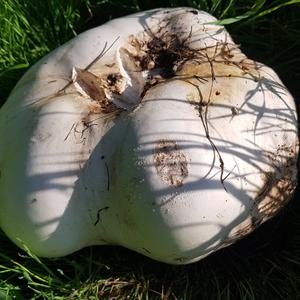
(153, 132)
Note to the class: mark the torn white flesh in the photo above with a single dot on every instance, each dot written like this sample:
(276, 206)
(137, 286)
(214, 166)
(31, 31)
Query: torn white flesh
(132, 76)
(130, 83)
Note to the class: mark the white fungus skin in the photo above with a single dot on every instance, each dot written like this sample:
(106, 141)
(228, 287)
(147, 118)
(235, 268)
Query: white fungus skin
(186, 167)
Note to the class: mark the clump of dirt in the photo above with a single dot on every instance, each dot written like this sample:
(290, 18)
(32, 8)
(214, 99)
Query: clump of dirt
(164, 53)
(113, 79)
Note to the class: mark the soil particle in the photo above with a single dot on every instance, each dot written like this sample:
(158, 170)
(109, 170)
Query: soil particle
(234, 111)
(112, 79)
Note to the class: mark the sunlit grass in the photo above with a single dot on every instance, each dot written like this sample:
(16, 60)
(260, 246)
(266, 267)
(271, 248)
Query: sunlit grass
(265, 265)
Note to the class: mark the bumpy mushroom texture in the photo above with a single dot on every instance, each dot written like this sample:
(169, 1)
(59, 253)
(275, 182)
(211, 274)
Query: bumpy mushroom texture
(154, 132)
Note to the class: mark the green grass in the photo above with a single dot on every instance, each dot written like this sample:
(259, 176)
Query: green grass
(265, 265)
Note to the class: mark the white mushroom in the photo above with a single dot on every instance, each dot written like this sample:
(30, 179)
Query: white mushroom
(154, 132)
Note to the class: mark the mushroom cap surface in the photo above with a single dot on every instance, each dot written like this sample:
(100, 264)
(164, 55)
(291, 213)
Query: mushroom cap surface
(154, 132)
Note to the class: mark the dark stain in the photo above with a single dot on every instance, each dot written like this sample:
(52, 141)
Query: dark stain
(108, 177)
(112, 79)
(195, 12)
(234, 111)
(110, 65)
(99, 212)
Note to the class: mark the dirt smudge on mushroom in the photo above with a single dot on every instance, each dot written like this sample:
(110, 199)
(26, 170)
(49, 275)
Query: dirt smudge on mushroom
(170, 163)
(164, 53)
(279, 185)
(277, 190)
